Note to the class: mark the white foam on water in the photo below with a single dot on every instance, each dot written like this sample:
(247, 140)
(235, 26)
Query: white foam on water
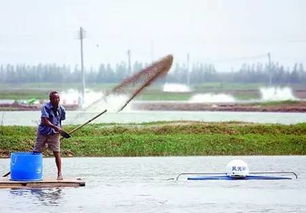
(73, 97)
(276, 94)
(112, 103)
(174, 87)
(70, 96)
(94, 101)
(211, 98)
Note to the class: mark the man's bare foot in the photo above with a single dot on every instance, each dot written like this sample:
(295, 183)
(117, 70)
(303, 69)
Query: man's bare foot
(59, 177)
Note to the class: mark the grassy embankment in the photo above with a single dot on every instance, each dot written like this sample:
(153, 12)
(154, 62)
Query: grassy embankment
(168, 139)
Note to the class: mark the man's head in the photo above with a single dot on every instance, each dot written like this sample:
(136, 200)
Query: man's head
(54, 98)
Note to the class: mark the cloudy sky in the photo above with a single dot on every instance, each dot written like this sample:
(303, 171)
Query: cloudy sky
(223, 32)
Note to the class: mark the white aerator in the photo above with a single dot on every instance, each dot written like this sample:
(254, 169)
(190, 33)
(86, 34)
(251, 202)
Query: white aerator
(237, 169)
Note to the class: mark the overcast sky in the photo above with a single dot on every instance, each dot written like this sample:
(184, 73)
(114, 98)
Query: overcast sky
(224, 32)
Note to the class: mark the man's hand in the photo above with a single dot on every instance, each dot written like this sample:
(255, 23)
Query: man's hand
(57, 129)
(46, 122)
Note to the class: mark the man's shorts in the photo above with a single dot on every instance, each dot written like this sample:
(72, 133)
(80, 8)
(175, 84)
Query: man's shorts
(50, 141)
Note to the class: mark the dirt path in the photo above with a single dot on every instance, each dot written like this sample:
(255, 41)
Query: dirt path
(292, 107)
(180, 106)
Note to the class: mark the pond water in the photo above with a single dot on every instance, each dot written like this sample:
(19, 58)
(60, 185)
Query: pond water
(145, 184)
(31, 118)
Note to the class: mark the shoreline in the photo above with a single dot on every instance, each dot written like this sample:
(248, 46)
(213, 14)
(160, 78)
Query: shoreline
(236, 107)
(294, 106)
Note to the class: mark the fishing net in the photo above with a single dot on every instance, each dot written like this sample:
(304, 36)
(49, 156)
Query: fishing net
(121, 95)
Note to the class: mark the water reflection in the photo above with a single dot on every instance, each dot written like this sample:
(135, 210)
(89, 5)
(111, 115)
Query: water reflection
(45, 197)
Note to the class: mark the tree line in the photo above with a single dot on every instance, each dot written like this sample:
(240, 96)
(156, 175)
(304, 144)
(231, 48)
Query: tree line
(274, 73)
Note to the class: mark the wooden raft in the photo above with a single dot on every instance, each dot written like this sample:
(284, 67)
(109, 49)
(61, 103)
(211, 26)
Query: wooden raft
(46, 183)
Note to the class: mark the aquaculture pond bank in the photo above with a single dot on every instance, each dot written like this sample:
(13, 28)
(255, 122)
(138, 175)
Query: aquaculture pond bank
(167, 139)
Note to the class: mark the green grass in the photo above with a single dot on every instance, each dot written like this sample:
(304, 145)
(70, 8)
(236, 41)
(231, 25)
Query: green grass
(23, 94)
(166, 96)
(168, 139)
(41, 90)
(220, 86)
(223, 86)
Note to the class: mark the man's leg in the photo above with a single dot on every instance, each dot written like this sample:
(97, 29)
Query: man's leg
(39, 143)
(58, 162)
(54, 145)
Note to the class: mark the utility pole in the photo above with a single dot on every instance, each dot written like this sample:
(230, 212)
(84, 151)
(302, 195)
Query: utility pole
(82, 35)
(269, 69)
(129, 62)
(188, 69)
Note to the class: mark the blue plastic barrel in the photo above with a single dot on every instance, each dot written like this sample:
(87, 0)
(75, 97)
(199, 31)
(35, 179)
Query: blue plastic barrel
(26, 166)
